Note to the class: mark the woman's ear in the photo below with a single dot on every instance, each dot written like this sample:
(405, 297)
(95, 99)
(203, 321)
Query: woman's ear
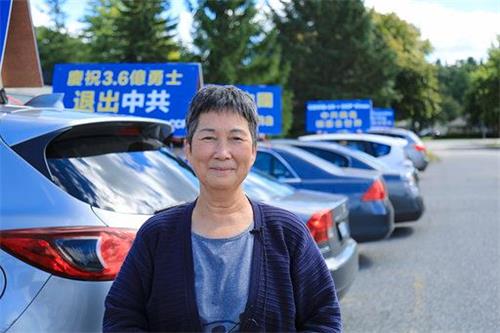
(254, 153)
(187, 149)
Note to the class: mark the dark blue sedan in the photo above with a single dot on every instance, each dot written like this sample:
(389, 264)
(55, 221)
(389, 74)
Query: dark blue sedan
(371, 213)
(404, 193)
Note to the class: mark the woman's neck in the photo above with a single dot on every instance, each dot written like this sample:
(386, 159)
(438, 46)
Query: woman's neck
(221, 216)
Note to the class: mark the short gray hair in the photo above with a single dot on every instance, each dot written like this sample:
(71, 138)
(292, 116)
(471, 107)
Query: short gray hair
(215, 98)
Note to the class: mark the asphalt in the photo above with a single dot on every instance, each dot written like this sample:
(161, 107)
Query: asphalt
(441, 273)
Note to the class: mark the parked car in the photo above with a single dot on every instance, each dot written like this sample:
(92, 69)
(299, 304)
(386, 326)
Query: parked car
(75, 188)
(415, 148)
(371, 213)
(404, 192)
(388, 150)
(326, 215)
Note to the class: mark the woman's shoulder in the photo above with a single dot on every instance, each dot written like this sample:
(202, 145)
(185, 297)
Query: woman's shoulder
(167, 220)
(277, 219)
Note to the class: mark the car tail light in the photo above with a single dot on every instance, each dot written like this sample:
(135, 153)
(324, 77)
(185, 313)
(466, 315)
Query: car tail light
(375, 192)
(419, 147)
(320, 225)
(81, 253)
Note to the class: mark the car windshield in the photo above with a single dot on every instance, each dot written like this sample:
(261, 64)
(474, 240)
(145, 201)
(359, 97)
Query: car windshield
(135, 182)
(263, 187)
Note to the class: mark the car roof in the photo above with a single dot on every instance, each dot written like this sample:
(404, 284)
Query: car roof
(21, 123)
(319, 144)
(394, 130)
(355, 136)
(407, 134)
(339, 149)
(302, 154)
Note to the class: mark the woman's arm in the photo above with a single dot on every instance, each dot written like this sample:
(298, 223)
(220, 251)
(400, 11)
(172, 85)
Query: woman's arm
(126, 301)
(316, 300)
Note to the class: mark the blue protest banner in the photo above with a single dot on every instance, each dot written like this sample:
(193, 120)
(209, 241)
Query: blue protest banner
(5, 9)
(338, 116)
(382, 117)
(161, 90)
(268, 100)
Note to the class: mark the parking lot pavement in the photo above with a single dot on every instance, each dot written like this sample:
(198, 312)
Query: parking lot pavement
(441, 273)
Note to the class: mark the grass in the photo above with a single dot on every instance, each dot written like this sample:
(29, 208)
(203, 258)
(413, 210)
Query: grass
(495, 145)
(432, 157)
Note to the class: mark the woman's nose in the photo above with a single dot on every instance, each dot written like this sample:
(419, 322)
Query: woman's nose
(222, 150)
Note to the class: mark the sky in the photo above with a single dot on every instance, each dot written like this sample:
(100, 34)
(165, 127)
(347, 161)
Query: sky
(457, 29)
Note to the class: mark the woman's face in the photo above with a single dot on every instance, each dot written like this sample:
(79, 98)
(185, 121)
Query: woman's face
(221, 152)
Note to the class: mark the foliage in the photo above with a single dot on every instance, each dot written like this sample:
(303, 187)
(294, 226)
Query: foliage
(130, 31)
(314, 49)
(55, 44)
(483, 97)
(56, 47)
(417, 90)
(57, 13)
(454, 82)
(234, 48)
(335, 52)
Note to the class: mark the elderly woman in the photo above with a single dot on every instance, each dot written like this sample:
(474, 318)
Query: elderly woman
(223, 263)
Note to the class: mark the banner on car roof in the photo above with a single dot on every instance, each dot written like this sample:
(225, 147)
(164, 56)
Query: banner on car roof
(338, 116)
(269, 107)
(161, 90)
(382, 117)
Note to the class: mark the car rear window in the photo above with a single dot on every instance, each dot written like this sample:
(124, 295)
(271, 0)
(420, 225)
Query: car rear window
(330, 156)
(379, 149)
(352, 144)
(413, 138)
(123, 169)
(260, 186)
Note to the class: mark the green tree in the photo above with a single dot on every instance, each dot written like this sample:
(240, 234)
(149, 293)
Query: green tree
(454, 82)
(417, 90)
(56, 12)
(234, 48)
(56, 47)
(55, 44)
(335, 52)
(483, 97)
(100, 31)
(131, 31)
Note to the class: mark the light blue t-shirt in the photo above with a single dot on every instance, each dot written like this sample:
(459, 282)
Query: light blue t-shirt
(222, 278)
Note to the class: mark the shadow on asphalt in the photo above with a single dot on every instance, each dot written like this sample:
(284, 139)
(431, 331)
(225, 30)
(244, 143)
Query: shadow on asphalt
(364, 262)
(401, 232)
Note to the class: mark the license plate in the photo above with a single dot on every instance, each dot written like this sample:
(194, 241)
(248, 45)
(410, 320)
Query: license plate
(344, 230)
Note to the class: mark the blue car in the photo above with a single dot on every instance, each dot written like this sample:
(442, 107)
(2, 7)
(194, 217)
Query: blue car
(404, 193)
(371, 213)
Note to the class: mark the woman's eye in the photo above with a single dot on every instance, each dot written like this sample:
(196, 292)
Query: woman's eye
(236, 138)
(208, 138)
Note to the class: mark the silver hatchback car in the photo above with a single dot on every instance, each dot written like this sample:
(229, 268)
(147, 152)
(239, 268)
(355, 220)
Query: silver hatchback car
(74, 189)
(415, 148)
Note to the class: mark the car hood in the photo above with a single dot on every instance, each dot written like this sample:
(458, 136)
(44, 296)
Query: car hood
(25, 124)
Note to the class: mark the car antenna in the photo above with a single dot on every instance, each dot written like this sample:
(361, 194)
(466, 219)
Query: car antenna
(3, 93)
(3, 96)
